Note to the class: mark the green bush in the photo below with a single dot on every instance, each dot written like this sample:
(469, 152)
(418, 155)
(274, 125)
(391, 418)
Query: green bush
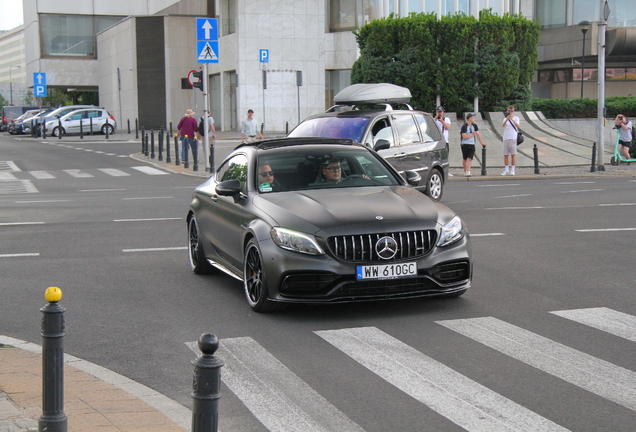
(585, 108)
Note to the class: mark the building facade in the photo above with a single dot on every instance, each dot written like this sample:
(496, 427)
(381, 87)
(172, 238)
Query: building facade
(137, 54)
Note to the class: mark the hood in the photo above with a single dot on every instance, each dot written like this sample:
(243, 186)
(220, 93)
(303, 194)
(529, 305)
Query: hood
(351, 210)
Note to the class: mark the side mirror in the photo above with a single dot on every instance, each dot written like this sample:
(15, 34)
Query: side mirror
(412, 178)
(381, 144)
(229, 188)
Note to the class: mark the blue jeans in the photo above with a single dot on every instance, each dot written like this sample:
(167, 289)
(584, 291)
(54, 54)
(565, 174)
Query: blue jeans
(193, 146)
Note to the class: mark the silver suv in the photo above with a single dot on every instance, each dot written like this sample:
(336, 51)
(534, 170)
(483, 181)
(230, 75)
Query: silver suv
(371, 114)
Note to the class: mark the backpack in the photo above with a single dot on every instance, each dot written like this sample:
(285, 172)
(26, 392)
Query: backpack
(201, 127)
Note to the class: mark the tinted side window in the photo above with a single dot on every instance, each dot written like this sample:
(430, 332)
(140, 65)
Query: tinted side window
(430, 131)
(381, 130)
(78, 115)
(94, 113)
(234, 169)
(407, 129)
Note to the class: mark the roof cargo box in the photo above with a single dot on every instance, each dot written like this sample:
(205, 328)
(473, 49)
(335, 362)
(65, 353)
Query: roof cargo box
(373, 94)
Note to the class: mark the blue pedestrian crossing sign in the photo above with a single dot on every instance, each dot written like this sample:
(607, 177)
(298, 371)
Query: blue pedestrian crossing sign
(39, 84)
(207, 40)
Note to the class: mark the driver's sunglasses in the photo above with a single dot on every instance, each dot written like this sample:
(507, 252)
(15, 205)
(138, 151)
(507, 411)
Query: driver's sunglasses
(334, 168)
(267, 173)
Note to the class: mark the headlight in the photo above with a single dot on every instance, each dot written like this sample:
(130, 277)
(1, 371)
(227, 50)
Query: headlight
(451, 232)
(295, 241)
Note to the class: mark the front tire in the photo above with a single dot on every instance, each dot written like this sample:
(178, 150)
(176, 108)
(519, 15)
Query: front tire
(255, 282)
(198, 263)
(108, 127)
(56, 131)
(435, 185)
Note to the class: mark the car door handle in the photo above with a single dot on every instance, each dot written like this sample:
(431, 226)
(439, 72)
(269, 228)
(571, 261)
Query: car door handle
(399, 155)
(214, 198)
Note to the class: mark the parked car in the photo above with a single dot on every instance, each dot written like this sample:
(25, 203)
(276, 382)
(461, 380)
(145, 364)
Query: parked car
(371, 114)
(272, 217)
(17, 125)
(57, 113)
(97, 120)
(12, 112)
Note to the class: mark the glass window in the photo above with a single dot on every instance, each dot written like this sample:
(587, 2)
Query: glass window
(335, 80)
(623, 13)
(563, 75)
(407, 130)
(348, 14)
(72, 35)
(551, 13)
(584, 10)
(428, 127)
(228, 17)
(234, 169)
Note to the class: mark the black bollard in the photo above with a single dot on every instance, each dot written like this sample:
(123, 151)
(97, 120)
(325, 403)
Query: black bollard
(195, 155)
(177, 161)
(59, 128)
(142, 140)
(160, 137)
(483, 161)
(146, 139)
(168, 160)
(184, 145)
(128, 120)
(81, 129)
(593, 167)
(211, 158)
(206, 386)
(91, 123)
(286, 128)
(170, 127)
(53, 418)
(107, 128)
(43, 130)
(535, 150)
(152, 143)
(136, 129)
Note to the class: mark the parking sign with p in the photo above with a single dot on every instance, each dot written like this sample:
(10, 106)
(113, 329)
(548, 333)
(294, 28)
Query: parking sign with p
(39, 84)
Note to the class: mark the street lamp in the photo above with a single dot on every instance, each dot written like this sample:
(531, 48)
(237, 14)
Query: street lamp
(585, 26)
(11, 82)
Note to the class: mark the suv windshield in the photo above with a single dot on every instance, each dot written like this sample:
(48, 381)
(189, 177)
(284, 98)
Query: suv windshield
(332, 127)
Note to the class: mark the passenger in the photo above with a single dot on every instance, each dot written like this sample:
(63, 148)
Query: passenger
(266, 180)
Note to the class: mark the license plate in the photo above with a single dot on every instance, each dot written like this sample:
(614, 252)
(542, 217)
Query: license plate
(387, 271)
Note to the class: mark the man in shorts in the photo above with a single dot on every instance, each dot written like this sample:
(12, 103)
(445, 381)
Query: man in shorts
(468, 132)
(511, 129)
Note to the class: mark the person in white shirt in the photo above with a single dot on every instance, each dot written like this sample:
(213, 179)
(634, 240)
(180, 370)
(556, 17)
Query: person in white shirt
(511, 129)
(249, 128)
(625, 135)
(443, 123)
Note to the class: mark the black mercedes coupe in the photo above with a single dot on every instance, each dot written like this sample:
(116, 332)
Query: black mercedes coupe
(320, 220)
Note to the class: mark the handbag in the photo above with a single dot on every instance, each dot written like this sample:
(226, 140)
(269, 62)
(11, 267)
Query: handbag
(520, 136)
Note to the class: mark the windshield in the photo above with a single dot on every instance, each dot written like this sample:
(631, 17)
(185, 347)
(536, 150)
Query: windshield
(332, 127)
(298, 168)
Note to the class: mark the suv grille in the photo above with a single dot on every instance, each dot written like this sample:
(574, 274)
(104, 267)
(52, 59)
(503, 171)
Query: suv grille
(361, 248)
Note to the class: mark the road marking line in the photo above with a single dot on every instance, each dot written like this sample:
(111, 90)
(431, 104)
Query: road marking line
(605, 229)
(149, 170)
(573, 183)
(147, 220)
(145, 198)
(617, 204)
(486, 234)
(78, 173)
(514, 196)
(40, 201)
(114, 172)
(514, 208)
(7, 176)
(447, 392)
(605, 319)
(500, 185)
(155, 249)
(598, 376)
(21, 223)
(584, 190)
(101, 190)
(41, 175)
(19, 255)
(276, 396)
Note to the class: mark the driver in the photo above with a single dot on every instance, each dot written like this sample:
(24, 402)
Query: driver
(332, 171)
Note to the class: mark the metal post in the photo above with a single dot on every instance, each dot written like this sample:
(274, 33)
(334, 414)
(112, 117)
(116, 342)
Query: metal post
(91, 122)
(535, 150)
(168, 160)
(286, 128)
(195, 155)
(206, 386)
(136, 129)
(146, 137)
(43, 130)
(211, 161)
(152, 143)
(142, 139)
(593, 167)
(483, 161)
(81, 129)
(602, 27)
(59, 128)
(176, 149)
(128, 120)
(107, 128)
(53, 418)
(160, 136)
(170, 127)
(185, 147)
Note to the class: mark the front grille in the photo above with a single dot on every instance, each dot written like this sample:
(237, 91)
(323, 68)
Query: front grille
(361, 248)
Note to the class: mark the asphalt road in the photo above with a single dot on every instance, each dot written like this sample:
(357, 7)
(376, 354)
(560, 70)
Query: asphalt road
(543, 341)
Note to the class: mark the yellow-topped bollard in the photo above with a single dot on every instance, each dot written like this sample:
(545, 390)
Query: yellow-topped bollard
(53, 294)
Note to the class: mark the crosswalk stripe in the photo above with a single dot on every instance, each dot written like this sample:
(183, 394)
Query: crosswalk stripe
(9, 186)
(9, 166)
(114, 172)
(456, 397)
(149, 170)
(590, 373)
(610, 321)
(42, 175)
(280, 400)
(7, 176)
(78, 173)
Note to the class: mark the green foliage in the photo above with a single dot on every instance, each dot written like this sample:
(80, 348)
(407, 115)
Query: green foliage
(457, 57)
(57, 97)
(585, 108)
(3, 102)
(28, 98)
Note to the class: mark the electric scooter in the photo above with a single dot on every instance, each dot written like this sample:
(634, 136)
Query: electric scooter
(618, 158)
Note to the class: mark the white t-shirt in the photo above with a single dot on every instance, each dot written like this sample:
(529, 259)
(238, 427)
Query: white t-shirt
(441, 127)
(510, 133)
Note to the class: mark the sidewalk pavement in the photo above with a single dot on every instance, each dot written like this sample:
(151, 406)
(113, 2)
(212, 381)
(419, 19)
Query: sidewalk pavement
(99, 400)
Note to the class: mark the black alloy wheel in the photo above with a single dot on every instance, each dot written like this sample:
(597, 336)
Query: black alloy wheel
(254, 281)
(198, 263)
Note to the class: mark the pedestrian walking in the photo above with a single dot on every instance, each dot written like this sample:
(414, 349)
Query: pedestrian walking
(249, 128)
(211, 128)
(511, 130)
(187, 129)
(624, 126)
(468, 133)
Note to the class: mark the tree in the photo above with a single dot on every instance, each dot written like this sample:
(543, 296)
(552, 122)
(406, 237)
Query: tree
(28, 98)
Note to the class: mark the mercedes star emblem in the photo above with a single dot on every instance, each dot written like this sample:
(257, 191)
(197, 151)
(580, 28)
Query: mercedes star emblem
(386, 247)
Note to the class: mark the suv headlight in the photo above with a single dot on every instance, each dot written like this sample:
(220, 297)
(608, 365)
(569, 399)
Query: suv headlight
(295, 241)
(451, 232)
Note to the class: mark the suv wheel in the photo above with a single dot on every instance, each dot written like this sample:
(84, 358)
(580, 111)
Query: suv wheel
(435, 185)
